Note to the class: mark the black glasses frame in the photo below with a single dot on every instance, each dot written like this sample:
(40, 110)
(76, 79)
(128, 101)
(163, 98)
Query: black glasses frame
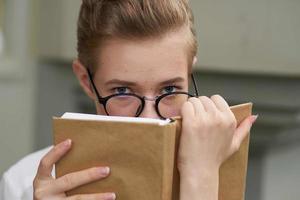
(103, 100)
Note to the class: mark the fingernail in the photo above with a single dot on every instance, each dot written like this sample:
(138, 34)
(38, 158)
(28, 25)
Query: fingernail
(253, 118)
(110, 196)
(67, 143)
(104, 171)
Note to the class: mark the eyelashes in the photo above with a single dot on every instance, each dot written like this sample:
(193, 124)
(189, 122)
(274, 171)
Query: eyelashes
(171, 88)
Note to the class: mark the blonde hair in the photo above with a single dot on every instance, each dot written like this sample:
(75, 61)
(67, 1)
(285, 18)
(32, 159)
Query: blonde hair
(130, 19)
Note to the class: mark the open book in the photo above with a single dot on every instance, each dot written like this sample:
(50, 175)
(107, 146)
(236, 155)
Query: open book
(141, 153)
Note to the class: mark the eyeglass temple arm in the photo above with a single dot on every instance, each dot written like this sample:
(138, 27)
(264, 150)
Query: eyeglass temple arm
(93, 84)
(195, 85)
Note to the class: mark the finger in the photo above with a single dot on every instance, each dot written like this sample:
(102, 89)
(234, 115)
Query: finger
(208, 104)
(223, 106)
(220, 103)
(75, 179)
(102, 196)
(187, 110)
(197, 104)
(242, 131)
(47, 162)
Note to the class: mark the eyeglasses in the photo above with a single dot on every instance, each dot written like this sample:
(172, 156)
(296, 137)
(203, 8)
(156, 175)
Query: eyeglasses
(131, 105)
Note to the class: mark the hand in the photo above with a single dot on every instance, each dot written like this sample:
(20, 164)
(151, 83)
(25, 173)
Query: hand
(209, 134)
(46, 187)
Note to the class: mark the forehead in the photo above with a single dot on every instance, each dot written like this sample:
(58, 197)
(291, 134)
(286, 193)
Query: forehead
(144, 60)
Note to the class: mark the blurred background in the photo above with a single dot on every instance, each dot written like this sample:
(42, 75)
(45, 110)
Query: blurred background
(249, 50)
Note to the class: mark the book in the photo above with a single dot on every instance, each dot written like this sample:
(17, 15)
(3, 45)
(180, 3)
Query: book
(141, 154)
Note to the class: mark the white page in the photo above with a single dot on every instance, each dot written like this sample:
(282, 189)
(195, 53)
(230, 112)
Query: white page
(81, 116)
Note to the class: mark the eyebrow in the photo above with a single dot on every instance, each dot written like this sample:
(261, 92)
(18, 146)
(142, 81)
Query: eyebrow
(129, 83)
(173, 80)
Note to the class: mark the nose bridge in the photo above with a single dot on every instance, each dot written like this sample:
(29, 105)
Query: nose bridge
(150, 98)
(149, 108)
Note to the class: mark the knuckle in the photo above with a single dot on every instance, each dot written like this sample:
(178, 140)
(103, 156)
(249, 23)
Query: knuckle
(233, 124)
(219, 122)
(205, 98)
(236, 147)
(193, 99)
(185, 107)
(67, 180)
(192, 127)
(38, 194)
(57, 149)
(214, 113)
(44, 163)
(229, 122)
(216, 96)
(35, 182)
(216, 119)
(92, 173)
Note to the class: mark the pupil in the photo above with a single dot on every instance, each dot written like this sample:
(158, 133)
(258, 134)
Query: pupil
(169, 89)
(121, 90)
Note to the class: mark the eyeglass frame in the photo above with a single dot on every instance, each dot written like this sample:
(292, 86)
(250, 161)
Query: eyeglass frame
(104, 100)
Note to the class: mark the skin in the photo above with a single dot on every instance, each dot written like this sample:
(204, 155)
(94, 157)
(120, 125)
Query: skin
(209, 129)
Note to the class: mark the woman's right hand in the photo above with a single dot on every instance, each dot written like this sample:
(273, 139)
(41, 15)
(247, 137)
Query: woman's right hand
(46, 187)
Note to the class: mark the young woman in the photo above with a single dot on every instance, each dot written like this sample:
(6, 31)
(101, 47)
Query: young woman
(140, 52)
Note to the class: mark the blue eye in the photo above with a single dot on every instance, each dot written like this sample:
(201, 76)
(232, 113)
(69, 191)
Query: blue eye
(120, 90)
(169, 89)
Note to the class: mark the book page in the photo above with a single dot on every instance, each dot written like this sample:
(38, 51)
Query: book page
(81, 116)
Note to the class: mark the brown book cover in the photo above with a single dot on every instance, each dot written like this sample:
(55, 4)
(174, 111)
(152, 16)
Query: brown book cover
(142, 157)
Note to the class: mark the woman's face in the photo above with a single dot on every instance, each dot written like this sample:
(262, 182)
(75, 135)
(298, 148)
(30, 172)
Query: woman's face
(148, 68)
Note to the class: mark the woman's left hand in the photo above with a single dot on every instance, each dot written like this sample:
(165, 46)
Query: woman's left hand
(209, 136)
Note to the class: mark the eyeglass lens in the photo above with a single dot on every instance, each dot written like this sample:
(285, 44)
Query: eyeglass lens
(123, 106)
(170, 105)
